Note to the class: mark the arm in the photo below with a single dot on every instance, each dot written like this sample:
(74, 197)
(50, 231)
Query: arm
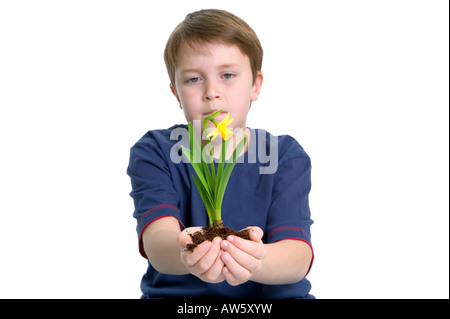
(161, 246)
(283, 262)
(293, 256)
(164, 242)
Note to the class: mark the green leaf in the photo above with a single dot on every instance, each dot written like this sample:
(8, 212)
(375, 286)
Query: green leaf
(201, 168)
(207, 200)
(213, 115)
(221, 164)
(207, 174)
(210, 117)
(211, 185)
(226, 175)
(196, 150)
(197, 168)
(213, 169)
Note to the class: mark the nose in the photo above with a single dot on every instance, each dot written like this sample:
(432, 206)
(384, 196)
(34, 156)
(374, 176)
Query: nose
(211, 91)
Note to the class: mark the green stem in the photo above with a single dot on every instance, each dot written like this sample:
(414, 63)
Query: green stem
(217, 215)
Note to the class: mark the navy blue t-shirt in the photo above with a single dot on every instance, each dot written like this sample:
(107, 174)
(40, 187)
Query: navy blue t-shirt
(268, 187)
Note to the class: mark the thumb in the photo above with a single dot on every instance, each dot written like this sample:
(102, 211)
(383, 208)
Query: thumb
(256, 233)
(184, 237)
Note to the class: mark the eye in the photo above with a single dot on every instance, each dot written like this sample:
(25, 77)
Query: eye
(228, 75)
(193, 80)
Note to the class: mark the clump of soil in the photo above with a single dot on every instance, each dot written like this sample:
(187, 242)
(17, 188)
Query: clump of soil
(217, 230)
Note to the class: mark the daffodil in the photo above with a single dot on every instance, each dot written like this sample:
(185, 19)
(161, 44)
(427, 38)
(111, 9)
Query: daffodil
(221, 127)
(211, 183)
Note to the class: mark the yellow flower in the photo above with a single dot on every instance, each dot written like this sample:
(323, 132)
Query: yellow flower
(222, 128)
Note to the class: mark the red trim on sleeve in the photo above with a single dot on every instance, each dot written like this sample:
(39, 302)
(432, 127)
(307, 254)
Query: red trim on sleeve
(287, 228)
(141, 245)
(155, 208)
(310, 246)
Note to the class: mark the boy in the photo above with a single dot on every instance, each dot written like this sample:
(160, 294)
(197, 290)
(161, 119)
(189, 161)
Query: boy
(214, 63)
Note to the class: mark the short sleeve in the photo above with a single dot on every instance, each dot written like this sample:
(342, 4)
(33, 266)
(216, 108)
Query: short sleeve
(289, 214)
(153, 192)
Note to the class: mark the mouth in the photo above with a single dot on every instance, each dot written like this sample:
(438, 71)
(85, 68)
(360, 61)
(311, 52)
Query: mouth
(211, 112)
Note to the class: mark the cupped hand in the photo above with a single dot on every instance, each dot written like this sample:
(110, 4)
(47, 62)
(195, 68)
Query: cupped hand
(204, 262)
(242, 258)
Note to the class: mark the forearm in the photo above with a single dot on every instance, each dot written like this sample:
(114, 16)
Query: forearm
(162, 249)
(286, 262)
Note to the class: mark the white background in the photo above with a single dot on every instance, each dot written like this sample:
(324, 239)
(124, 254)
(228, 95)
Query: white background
(362, 85)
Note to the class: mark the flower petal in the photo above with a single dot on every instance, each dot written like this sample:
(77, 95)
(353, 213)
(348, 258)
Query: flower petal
(228, 134)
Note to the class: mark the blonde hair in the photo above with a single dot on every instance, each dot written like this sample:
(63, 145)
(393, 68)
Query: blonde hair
(208, 26)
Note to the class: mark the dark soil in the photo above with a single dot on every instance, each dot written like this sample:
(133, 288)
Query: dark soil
(211, 232)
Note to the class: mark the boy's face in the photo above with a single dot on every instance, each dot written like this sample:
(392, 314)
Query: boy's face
(215, 77)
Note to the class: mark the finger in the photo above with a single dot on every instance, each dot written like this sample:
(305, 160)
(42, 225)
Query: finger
(229, 277)
(206, 262)
(191, 258)
(247, 261)
(256, 233)
(184, 238)
(214, 274)
(249, 247)
(234, 273)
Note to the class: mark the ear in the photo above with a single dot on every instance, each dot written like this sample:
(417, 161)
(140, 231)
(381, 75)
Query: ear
(256, 88)
(174, 92)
